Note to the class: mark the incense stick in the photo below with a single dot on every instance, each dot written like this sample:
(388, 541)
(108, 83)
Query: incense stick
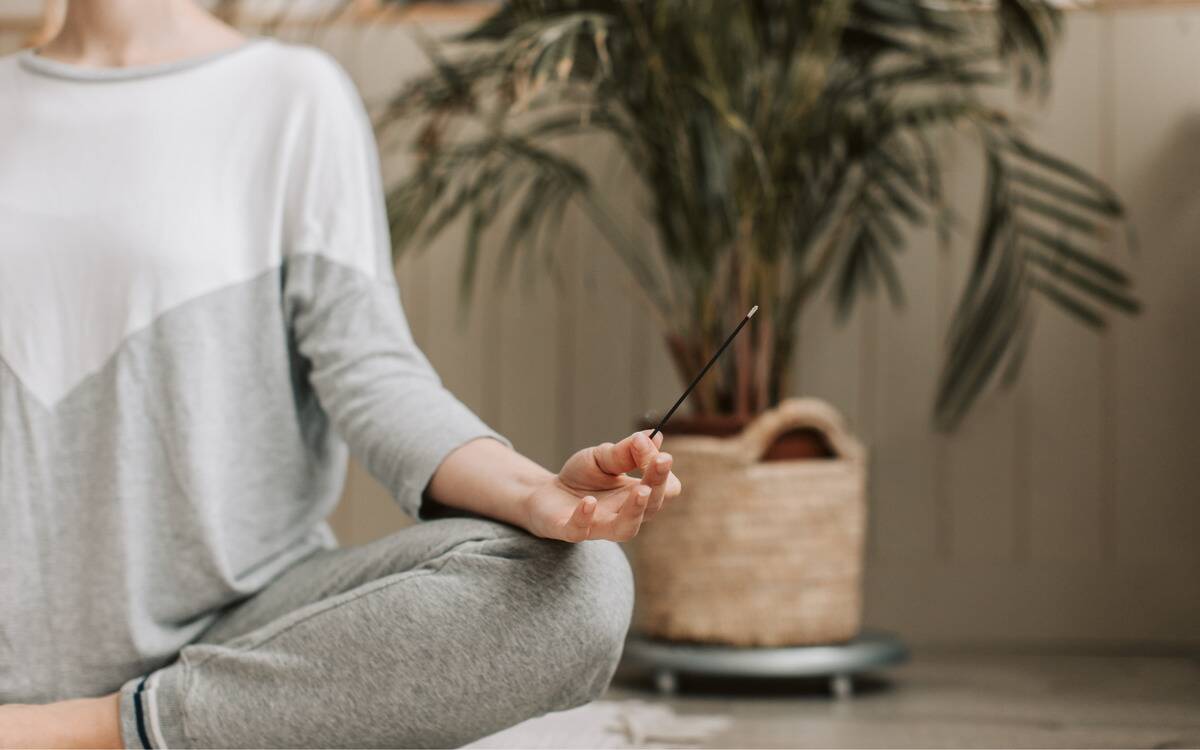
(696, 380)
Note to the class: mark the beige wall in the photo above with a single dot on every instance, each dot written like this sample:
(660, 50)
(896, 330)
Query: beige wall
(1066, 509)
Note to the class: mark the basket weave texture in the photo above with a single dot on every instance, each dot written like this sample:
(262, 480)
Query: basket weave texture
(757, 553)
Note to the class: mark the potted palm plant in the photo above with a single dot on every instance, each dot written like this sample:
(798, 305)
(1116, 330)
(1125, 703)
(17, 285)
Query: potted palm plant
(784, 147)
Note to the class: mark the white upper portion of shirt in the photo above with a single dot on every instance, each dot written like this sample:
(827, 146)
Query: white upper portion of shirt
(99, 235)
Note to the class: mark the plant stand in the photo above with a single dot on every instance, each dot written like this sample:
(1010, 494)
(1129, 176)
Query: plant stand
(839, 663)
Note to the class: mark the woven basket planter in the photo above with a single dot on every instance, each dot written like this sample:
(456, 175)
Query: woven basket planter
(757, 553)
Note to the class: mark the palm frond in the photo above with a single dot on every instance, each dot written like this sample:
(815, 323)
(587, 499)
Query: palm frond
(784, 148)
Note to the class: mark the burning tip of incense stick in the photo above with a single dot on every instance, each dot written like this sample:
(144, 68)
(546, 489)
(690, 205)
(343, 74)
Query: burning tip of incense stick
(752, 311)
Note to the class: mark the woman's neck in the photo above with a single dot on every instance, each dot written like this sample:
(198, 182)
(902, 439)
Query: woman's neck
(121, 33)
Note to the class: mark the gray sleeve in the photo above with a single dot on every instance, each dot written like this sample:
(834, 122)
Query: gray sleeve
(379, 390)
(343, 303)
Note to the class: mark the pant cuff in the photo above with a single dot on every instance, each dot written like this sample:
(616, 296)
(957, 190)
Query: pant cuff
(151, 710)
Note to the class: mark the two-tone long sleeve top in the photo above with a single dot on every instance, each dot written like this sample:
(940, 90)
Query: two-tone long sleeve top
(199, 320)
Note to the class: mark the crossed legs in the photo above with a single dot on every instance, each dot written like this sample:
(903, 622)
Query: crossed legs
(437, 635)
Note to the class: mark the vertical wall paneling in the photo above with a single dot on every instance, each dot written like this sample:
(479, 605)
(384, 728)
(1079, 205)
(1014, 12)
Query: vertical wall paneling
(529, 401)
(944, 523)
(489, 299)
(874, 309)
(904, 456)
(656, 382)
(828, 359)
(605, 306)
(653, 382)
(1108, 349)
(1061, 384)
(567, 339)
(979, 456)
(1157, 169)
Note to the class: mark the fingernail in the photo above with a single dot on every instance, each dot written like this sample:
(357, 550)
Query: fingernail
(663, 460)
(642, 441)
(643, 491)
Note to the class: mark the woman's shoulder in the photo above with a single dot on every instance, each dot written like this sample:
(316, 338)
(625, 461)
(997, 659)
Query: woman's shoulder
(304, 71)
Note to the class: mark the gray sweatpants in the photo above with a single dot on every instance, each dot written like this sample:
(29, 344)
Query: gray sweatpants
(437, 635)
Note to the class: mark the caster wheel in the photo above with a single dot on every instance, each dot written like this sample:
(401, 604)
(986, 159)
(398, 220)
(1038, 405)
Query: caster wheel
(666, 682)
(842, 686)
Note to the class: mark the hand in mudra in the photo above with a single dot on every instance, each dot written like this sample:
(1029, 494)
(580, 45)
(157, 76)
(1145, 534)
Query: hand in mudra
(594, 498)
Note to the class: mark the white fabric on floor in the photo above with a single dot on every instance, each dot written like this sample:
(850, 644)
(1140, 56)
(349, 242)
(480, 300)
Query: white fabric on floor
(607, 724)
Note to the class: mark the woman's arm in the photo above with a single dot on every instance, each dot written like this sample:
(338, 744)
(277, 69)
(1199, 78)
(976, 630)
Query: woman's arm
(488, 478)
(379, 391)
(592, 497)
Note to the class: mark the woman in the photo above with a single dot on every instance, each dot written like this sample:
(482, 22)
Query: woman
(198, 319)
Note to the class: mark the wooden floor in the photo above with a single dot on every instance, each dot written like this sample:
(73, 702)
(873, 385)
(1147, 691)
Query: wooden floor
(961, 700)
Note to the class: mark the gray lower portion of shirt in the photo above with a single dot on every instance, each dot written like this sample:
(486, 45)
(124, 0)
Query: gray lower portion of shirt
(198, 464)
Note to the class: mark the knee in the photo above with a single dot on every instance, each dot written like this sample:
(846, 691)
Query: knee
(604, 596)
(589, 616)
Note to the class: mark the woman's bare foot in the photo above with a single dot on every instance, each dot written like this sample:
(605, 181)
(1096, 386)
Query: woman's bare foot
(86, 722)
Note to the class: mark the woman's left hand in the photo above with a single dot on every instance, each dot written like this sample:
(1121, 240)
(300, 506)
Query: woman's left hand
(594, 498)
